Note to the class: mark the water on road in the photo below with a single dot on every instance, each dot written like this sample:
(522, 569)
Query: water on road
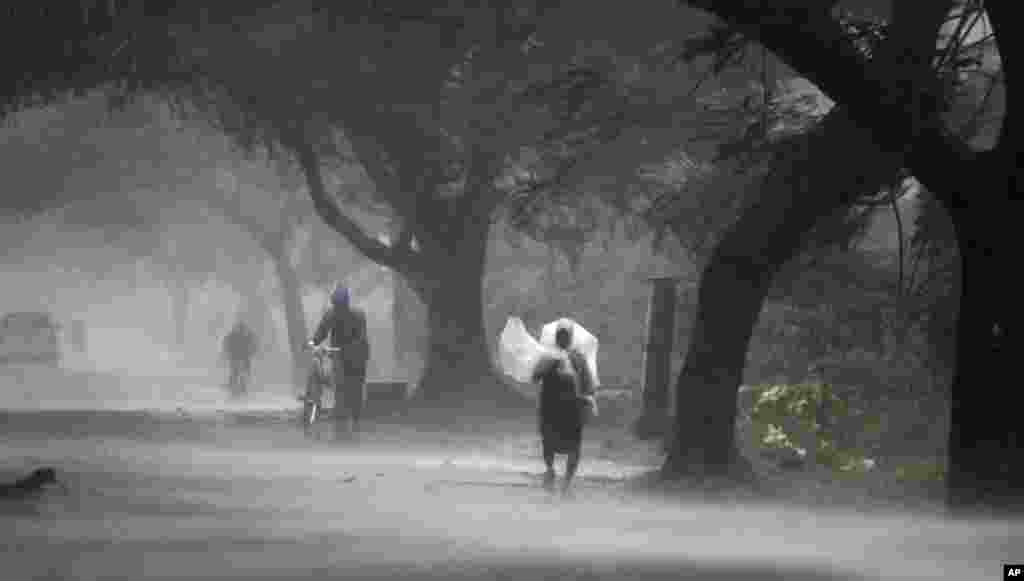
(204, 496)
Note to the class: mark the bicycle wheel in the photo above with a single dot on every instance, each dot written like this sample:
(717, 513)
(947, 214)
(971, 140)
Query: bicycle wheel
(310, 411)
(311, 401)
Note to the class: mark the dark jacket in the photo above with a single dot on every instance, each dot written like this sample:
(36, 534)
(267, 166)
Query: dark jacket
(240, 343)
(347, 330)
(560, 381)
(565, 381)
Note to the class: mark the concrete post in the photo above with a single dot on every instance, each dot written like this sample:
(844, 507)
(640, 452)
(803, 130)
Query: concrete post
(654, 419)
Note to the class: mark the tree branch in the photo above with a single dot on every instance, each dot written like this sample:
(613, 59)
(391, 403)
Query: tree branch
(332, 215)
(824, 55)
(409, 187)
(480, 196)
(404, 240)
(894, 204)
(1001, 17)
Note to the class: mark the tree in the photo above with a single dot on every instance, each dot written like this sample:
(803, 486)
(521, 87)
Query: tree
(895, 94)
(270, 218)
(467, 101)
(474, 104)
(377, 139)
(809, 182)
(261, 195)
(183, 261)
(931, 286)
(142, 170)
(119, 184)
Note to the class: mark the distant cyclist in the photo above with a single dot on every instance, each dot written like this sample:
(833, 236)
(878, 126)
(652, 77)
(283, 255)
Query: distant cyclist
(346, 327)
(240, 345)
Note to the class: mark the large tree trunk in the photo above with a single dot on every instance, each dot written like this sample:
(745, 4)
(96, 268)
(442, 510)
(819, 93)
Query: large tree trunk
(731, 293)
(986, 464)
(458, 367)
(447, 269)
(810, 183)
(986, 468)
(295, 318)
(410, 330)
(985, 438)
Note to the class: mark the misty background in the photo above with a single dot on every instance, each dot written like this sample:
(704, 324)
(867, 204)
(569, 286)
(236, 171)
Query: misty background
(158, 275)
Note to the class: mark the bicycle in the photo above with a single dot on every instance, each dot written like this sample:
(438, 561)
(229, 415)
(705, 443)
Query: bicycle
(320, 377)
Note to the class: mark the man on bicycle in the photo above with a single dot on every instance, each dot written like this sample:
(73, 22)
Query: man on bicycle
(239, 347)
(346, 327)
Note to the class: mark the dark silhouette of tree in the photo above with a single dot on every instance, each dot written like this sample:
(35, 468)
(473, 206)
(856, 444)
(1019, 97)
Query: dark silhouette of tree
(882, 75)
(437, 142)
(434, 139)
(888, 84)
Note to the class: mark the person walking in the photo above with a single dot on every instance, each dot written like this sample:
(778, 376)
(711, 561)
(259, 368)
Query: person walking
(566, 399)
(345, 327)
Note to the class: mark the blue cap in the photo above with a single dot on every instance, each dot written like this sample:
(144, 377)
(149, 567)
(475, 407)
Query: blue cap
(340, 296)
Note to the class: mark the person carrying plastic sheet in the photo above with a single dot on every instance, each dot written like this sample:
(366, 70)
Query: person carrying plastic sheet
(566, 399)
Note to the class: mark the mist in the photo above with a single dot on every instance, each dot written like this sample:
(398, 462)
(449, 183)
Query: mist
(126, 252)
(143, 231)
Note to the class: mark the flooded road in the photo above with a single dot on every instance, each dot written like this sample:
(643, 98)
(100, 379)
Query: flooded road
(177, 498)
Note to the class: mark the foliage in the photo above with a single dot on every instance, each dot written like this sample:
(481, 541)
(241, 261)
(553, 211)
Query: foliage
(110, 154)
(964, 83)
(850, 420)
(776, 407)
(758, 126)
(922, 471)
(617, 107)
(76, 47)
(755, 125)
(848, 431)
(380, 130)
(748, 122)
(965, 80)
(844, 315)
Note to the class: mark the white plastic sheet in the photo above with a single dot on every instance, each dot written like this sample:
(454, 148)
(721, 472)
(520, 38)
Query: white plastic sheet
(519, 352)
(582, 340)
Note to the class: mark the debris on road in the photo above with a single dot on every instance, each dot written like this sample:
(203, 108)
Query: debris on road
(32, 485)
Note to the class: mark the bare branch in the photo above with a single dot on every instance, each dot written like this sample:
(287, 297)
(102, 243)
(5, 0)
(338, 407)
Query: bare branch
(331, 214)
(406, 180)
(823, 54)
(404, 240)
(894, 204)
(962, 29)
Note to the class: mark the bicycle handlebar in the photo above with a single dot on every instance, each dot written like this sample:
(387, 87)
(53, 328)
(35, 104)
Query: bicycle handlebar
(325, 348)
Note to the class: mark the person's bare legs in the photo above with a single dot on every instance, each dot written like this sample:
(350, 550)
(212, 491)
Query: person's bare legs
(571, 464)
(549, 463)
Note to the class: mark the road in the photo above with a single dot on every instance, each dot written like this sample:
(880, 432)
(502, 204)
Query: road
(200, 488)
(189, 498)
